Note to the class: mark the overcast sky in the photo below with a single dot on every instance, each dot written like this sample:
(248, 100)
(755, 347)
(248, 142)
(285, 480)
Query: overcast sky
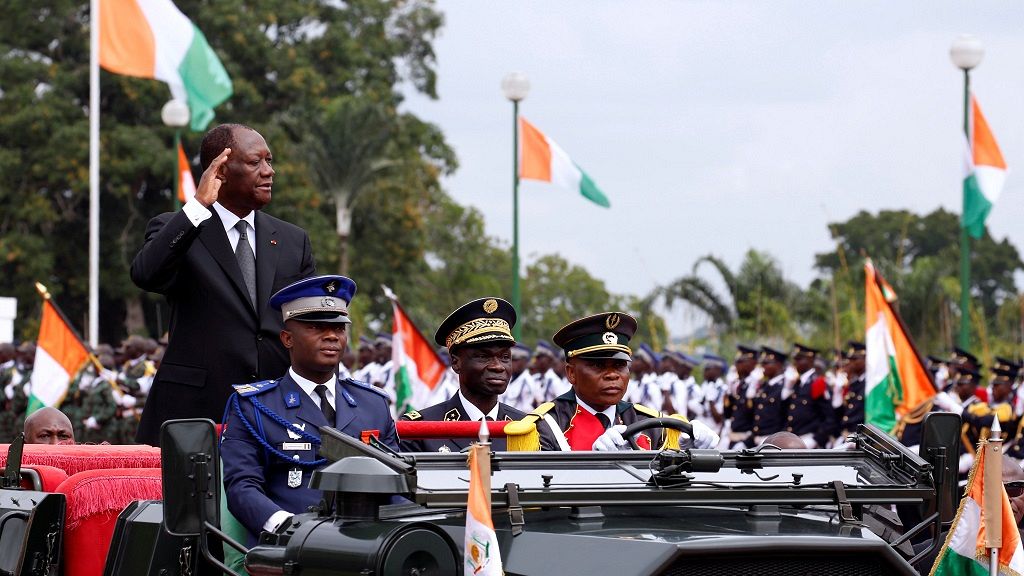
(715, 127)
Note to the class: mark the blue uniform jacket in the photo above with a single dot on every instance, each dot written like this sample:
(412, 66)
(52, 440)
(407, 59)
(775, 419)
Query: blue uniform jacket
(256, 477)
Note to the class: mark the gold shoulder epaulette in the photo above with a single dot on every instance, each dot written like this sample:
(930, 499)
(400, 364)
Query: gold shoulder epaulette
(979, 409)
(647, 411)
(540, 411)
(413, 415)
(1004, 412)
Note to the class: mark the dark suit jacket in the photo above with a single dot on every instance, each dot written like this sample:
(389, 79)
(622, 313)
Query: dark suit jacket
(256, 479)
(216, 337)
(448, 411)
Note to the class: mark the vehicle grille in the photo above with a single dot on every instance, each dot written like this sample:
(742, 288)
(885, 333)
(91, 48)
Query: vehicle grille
(778, 566)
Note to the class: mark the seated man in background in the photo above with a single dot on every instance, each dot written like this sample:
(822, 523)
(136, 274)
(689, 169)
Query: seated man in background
(593, 416)
(48, 425)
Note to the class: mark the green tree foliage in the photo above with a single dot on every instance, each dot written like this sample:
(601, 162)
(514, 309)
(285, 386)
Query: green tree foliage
(758, 300)
(920, 256)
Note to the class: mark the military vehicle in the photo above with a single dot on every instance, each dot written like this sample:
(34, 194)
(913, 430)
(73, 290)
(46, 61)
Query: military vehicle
(694, 512)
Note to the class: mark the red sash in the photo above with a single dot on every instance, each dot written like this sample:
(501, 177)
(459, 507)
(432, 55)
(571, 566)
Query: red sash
(584, 428)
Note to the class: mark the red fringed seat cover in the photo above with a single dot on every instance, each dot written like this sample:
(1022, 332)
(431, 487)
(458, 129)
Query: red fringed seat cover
(94, 499)
(81, 457)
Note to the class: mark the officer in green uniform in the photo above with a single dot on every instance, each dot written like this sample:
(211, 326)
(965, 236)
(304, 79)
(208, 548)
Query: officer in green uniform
(99, 410)
(7, 371)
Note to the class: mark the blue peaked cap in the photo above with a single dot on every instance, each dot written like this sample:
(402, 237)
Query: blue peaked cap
(320, 298)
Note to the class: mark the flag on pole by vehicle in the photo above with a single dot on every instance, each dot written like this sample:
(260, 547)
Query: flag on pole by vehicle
(896, 379)
(541, 159)
(154, 39)
(482, 557)
(965, 551)
(417, 369)
(60, 355)
(985, 173)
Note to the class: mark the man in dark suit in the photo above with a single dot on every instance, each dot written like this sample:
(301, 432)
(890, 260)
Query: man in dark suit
(217, 261)
(271, 439)
(479, 338)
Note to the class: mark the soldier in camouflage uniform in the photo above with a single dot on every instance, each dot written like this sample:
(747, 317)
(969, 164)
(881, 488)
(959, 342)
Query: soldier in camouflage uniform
(7, 372)
(99, 410)
(72, 404)
(134, 381)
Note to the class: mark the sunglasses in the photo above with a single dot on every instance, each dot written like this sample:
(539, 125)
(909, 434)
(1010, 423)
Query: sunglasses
(1014, 489)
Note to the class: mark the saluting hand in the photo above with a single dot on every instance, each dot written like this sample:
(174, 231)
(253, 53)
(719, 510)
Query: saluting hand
(212, 179)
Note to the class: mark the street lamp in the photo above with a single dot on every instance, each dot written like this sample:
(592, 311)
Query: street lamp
(966, 53)
(515, 86)
(176, 115)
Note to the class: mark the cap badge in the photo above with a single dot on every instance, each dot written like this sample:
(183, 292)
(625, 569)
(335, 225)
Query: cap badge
(612, 321)
(490, 305)
(328, 302)
(331, 287)
(609, 338)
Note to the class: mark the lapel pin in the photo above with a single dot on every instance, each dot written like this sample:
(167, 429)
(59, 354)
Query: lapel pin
(273, 242)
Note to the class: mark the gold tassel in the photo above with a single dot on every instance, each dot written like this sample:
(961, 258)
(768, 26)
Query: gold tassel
(672, 435)
(522, 436)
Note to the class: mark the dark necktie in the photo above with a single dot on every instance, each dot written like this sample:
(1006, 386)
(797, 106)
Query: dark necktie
(488, 418)
(246, 260)
(325, 406)
(605, 422)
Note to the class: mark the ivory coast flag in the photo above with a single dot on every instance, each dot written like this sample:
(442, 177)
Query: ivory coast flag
(186, 183)
(985, 173)
(896, 379)
(59, 357)
(541, 159)
(417, 368)
(153, 39)
(482, 557)
(964, 551)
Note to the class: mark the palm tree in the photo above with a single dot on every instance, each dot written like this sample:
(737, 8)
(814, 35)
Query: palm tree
(349, 145)
(757, 296)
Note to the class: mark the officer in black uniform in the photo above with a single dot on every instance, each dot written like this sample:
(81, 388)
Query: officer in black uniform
(478, 336)
(809, 412)
(769, 409)
(739, 404)
(851, 411)
(270, 444)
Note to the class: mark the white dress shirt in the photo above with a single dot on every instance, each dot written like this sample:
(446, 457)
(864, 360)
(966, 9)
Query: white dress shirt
(474, 413)
(197, 214)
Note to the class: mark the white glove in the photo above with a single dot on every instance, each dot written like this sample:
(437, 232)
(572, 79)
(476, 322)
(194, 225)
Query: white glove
(703, 437)
(611, 440)
(809, 441)
(9, 391)
(91, 423)
(128, 401)
(966, 461)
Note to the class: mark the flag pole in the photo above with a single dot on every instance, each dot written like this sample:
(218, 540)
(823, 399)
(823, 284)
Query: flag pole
(94, 172)
(993, 502)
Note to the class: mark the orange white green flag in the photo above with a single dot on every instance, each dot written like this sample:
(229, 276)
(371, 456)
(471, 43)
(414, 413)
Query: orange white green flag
(985, 173)
(60, 354)
(186, 183)
(417, 369)
(896, 379)
(482, 557)
(541, 159)
(965, 551)
(154, 39)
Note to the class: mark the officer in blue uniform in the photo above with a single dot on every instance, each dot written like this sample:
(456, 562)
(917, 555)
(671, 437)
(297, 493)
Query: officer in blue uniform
(769, 410)
(271, 440)
(739, 403)
(809, 412)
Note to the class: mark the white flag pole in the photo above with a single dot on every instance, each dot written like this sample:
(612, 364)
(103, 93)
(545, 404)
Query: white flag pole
(993, 504)
(94, 172)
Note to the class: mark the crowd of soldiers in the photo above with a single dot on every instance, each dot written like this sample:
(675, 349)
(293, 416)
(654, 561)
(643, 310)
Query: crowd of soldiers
(761, 391)
(103, 401)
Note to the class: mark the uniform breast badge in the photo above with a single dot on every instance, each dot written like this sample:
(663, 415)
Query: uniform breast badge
(295, 478)
(444, 448)
(295, 435)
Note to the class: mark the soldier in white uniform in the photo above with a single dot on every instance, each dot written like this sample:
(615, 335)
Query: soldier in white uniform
(547, 383)
(520, 393)
(714, 389)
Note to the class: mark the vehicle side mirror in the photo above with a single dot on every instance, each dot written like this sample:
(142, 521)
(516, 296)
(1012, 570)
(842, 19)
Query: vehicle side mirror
(190, 466)
(940, 446)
